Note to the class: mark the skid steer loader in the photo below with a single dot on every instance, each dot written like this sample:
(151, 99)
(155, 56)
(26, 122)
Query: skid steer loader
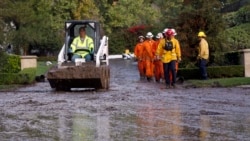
(80, 74)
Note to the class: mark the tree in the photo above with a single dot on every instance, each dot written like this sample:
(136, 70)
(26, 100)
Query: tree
(170, 9)
(23, 20)
(123, 15)
(130, 12)
(35, 23)
(238, 31)
(86, 9)
(1, 29)
(39, 24)
(200, 15)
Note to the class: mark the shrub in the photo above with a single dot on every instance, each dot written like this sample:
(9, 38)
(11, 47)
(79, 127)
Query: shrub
(225, 71)
(188, 73)
(213, 72)
(9, 63)
(26, 76)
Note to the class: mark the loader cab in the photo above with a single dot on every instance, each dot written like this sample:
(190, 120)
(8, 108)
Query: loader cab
(72, 31)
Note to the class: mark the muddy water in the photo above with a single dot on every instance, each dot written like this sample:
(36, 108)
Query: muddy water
(131, 110)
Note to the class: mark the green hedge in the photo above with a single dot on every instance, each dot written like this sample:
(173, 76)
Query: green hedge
(9, 63)
(213, 72)
(26, 76)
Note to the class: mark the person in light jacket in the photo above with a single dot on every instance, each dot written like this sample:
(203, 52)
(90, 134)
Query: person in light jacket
(203, 55)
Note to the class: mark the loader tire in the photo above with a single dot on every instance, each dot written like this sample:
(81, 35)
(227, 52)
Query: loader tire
(105, 77)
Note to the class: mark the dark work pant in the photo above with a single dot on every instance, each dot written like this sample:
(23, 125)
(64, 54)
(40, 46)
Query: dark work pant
(170, 67)
(203, 69)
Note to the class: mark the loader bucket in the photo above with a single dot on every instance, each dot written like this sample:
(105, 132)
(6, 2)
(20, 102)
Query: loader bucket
(84, 76)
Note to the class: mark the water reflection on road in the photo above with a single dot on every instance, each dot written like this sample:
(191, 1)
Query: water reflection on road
(90, 128)
(162, 121)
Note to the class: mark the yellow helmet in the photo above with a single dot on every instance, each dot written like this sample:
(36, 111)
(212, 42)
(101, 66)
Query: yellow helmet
(201, 34)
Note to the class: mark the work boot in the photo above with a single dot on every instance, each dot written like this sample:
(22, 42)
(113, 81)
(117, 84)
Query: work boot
(173, 85)
(142, 78)
(168, 86)
(149, 79)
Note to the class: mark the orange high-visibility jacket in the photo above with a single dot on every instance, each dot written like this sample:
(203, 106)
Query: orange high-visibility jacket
(139, 50)
(148, 50)
(155, 46)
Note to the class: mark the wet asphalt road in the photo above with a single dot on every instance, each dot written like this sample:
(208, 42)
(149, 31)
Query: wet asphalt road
(131, 110)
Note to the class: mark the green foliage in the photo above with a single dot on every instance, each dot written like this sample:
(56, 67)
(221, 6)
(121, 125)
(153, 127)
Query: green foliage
(122, 39)
(188, 73)
(230, 19)
(238, 17)
(213, 72)
(26, 76)
(130, 12)
(238, 36)
(39, 24)
(243, 15)
(86, 9)
(233, 58)
(117, 43)
(218, 59)
(219, 71)
(1, 29)
(238, 31)
(122, 16)
(9, 63)
(34, 24)
(170, 9)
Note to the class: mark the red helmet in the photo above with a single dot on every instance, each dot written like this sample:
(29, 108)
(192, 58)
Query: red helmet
(169, 33)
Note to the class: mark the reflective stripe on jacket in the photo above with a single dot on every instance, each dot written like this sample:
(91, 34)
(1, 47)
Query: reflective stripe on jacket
(78, 44)
(167, 56)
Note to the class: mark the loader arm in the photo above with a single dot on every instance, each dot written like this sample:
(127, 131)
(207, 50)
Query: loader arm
(102, 53)
(61, 55)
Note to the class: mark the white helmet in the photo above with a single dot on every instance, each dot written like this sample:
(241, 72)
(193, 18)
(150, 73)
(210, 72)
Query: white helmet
(149, 35)
(141, 37)
(159, 36)
(165, 30)
(174, 31)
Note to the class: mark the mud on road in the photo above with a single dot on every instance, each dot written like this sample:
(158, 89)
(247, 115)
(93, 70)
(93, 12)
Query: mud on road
(131, 110)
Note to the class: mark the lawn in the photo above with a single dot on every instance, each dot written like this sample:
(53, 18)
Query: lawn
(220, 82)
(42, 68)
